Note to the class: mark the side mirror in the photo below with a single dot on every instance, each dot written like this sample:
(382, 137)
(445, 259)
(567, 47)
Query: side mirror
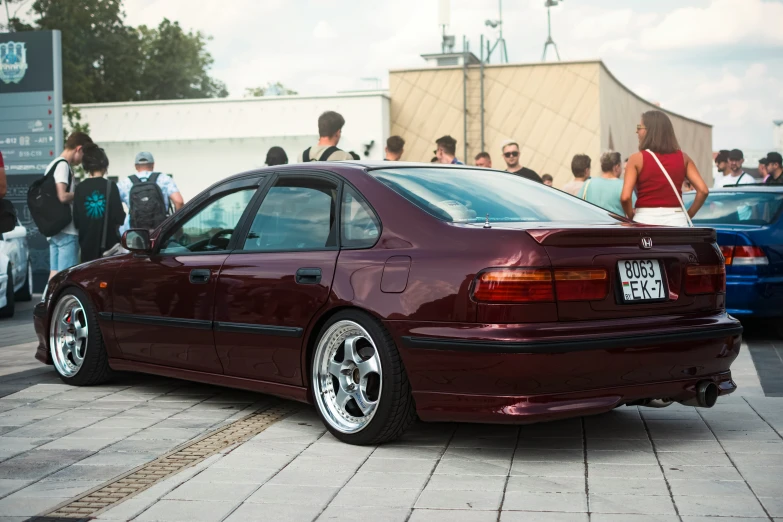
(137, 240)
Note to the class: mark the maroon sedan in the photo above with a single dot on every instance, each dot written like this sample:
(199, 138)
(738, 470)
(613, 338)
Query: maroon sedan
(379, 292)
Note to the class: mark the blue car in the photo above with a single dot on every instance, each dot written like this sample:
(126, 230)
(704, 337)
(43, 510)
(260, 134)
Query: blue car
(750, 234)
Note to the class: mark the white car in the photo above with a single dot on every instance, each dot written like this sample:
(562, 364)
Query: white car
(16, 271)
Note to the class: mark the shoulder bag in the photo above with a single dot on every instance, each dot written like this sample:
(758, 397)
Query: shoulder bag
(676, 192)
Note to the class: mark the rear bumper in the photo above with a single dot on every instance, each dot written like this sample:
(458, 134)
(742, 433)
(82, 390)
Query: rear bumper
(435, 407)
(753, 296)
(528, 373)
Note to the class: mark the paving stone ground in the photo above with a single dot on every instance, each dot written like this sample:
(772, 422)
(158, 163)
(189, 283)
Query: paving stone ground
(633, 464)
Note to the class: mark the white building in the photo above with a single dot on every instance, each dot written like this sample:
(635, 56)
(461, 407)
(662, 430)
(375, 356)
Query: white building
(202, 141)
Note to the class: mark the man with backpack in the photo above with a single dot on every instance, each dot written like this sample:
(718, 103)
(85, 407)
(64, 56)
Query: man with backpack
(50, 200)
(148, 195)
(330, 128)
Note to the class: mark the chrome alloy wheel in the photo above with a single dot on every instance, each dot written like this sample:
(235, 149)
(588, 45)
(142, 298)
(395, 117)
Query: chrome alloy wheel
(347, 377)
(68, 334)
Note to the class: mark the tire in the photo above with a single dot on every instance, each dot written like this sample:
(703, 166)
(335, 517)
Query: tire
(10, 305)
(26, 292)
(364, 402)
(75, 341)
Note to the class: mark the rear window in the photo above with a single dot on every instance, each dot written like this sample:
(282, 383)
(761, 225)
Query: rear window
(738, 208)
(468, 196)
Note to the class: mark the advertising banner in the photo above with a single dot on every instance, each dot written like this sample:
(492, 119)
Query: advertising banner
(31, 127)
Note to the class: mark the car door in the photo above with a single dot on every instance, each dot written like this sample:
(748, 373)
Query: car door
(280, 275)
(163, 302)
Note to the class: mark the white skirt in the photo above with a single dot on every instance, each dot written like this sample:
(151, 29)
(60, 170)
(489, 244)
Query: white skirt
(671, 217)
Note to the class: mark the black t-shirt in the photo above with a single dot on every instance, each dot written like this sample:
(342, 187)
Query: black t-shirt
(528, 174)
(89, 206)
(772, 181)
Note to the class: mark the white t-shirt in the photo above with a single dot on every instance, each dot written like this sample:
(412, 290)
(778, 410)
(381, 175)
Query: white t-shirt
(729, 180)
(62, 174)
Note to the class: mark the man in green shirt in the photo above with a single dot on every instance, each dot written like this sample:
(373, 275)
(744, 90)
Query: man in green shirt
(604, 190)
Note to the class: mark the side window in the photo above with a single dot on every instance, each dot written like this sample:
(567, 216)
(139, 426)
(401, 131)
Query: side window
(211, 228)
(296, 214)
(359, 224)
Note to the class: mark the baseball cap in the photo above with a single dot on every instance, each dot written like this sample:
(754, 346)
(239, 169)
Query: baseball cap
(736, 154)
(142, 158)
(774, 157)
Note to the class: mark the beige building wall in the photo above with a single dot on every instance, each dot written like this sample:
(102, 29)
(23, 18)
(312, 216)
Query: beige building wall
(621, 111)
(553, 110)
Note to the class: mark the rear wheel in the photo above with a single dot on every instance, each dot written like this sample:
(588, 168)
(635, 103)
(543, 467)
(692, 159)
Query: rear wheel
(360, 387)
(10, 305)
(75, 341)
(26, 292)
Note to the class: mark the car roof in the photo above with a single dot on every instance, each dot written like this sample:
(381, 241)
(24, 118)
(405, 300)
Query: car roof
(756, 187)
(349, 164)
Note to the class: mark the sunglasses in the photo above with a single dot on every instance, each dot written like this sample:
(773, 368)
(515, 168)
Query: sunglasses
(640, 127)
(512, 154)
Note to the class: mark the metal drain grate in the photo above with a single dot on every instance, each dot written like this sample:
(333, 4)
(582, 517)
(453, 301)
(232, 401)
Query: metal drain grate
(136, 481)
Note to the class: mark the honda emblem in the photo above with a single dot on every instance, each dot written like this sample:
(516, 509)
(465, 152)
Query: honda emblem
(646, 243)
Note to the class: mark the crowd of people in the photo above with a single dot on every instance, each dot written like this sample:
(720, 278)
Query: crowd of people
(647, 187)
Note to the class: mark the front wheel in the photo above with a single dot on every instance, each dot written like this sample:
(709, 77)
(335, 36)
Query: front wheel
(75, 341)
(359, 384)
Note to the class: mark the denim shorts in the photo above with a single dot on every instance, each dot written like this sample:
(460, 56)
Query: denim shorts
(63, 251)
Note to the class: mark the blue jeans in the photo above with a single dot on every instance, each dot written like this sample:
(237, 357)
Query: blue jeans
(63, 251)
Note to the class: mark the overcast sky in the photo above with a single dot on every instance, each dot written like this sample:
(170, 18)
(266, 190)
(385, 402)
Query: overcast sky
(719, 61)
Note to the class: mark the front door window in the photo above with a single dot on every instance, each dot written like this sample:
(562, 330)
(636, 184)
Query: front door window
(210, 229)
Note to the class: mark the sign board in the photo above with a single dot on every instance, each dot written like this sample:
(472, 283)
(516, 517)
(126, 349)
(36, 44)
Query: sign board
(31, 127)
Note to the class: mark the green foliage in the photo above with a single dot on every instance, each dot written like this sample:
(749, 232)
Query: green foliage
(105, 60)
(270, 89)
(175, 64)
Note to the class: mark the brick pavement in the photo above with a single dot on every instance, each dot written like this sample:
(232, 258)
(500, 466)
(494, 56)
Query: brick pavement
(633, 464)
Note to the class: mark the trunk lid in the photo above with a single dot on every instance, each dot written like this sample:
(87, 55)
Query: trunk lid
(607, 247)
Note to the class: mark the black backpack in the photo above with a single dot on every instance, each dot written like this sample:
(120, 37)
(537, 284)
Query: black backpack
(148, 205)
(49, 214)
(325, 156)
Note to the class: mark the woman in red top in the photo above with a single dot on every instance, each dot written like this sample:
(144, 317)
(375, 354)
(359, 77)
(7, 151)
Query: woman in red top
(657, 202)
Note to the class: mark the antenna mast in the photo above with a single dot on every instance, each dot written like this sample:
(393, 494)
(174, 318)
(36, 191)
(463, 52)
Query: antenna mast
(497, 24)
(549, 41)
(444, 20)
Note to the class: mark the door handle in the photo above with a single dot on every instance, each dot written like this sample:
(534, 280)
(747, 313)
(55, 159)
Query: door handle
(308, 276)
(199, 276)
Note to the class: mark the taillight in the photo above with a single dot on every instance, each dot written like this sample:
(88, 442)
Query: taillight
(705, 279)
(514, 285)
(728, 253)
(749, 255)
(581, 285)
(744, 255)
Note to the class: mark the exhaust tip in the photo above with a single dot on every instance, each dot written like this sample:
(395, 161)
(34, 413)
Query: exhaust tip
(706, 394)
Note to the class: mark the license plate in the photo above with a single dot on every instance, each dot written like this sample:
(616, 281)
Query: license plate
(641, 280)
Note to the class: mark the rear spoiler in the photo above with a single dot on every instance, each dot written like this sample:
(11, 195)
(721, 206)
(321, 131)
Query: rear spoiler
(611, 236)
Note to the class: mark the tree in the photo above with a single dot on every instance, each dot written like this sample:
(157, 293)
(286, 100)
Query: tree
(105, 60)
(12, 8)
(100, 54)
(270, 89)
(175, 64)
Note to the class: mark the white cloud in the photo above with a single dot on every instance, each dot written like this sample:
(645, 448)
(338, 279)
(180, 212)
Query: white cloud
(324, 31)
(721, 23)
